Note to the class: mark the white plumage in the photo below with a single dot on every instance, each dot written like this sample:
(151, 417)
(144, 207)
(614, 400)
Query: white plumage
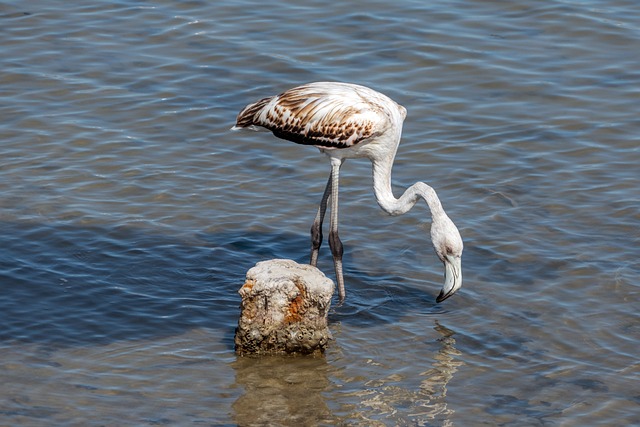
(350, 121)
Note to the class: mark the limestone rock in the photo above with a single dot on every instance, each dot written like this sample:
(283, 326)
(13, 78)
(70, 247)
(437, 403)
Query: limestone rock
(284, 309)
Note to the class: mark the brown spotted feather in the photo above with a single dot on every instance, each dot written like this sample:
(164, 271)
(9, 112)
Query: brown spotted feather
(306, 115)
(246, 116)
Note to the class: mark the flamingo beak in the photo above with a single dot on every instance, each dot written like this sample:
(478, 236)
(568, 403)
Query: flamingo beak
(452, 277)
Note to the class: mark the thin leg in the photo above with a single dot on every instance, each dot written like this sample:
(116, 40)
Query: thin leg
(334, 240)
(316, 227)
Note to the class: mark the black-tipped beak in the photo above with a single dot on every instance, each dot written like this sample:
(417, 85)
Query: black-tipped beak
(452, 277)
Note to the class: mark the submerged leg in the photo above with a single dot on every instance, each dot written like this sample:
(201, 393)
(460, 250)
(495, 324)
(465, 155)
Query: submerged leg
(334, 240)
(316, 227)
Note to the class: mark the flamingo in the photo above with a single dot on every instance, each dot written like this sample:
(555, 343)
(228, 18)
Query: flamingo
(345, 121)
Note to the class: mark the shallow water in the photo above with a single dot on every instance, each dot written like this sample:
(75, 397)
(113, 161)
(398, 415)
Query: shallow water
(129, 213)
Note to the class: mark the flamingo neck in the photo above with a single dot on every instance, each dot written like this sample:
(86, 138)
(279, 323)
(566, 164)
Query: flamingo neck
(391, 205)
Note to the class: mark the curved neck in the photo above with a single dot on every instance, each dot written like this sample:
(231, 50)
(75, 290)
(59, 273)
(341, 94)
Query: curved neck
(391, 205)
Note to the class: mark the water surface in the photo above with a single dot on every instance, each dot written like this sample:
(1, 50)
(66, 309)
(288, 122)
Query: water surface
(129, 213)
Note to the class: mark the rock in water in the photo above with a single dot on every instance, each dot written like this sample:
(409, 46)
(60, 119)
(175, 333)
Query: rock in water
(284, 309)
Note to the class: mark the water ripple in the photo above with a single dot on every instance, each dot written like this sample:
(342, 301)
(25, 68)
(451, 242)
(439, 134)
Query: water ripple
(130, 214)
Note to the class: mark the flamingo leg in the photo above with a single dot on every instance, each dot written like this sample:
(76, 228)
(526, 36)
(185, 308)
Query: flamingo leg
(334, 240)
(316, 227)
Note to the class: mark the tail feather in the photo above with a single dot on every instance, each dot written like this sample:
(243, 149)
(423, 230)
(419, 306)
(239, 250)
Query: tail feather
(246, 117)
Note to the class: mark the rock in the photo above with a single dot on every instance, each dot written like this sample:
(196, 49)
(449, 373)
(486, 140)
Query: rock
(284, 309)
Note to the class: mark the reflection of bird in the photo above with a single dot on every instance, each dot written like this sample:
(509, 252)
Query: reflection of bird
(350, 121)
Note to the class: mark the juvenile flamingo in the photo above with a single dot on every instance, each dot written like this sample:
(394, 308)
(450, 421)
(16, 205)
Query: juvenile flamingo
(347, 121)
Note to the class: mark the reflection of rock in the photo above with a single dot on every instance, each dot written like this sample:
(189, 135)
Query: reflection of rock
(282, 391)
(284, 309)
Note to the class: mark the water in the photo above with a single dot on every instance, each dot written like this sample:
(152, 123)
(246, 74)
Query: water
(129, 213)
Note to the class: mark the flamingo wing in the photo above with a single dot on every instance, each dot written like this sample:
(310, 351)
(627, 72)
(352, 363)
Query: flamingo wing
(326, 115)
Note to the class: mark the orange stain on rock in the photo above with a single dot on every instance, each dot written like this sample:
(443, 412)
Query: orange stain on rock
(296, 308)
(246, 288)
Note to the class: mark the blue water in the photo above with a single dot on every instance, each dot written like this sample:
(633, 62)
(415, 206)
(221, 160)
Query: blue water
(129, 213)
